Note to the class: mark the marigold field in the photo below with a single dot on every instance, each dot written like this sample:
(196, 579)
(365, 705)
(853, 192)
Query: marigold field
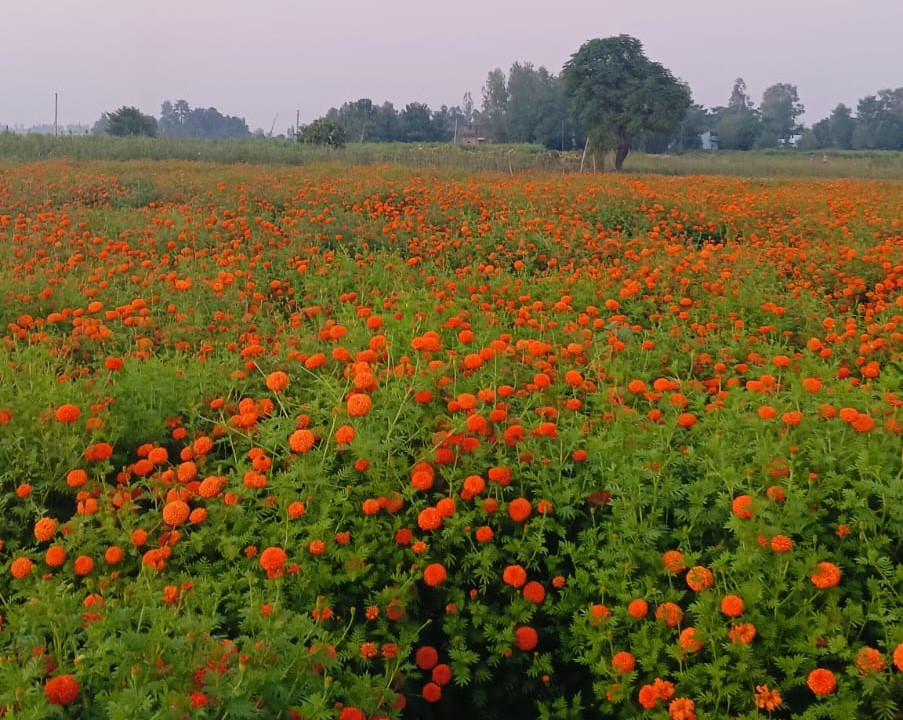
(343, 443)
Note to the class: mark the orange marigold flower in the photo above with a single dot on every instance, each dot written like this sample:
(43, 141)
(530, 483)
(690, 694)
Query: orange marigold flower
(67, 413)
(525, 638)
(272, 559)
(811, 384)
(210, 486)
(442, 674)
(434, 574)
(44, 529)
(514, 575)
(76, 478)
(869, 660)
(742, 633)
(732, 605)
(429, 519)
(781, 544)
(500, 475)
(534, 592)
(473, 485)
(61, 690)
(673, 561)
(848, 414)
(344, 435)
(792, 418)
(422, 475)
(158, 456)
(98, 452)
(370, 506)
(20, 567)
(83, 565)
(623, 662)
(821, 681)
(359, 405)
(686, 420)
(766, 699)
(277, 381)
(113, 554)
(663, 689)
(432, 692)
(688, 640)
(898, 657)
(699, 578)
(827, 576)
(176, 512)
(638, 608)
(599, 613)
(519, 509)
(483, 534)
(742, 507)
(426, 657)
(682, 709)
(445, 507)
(670, 613)
(301, 441)
(369, 650)
(55, 556)
(766, 412)
(647, 697)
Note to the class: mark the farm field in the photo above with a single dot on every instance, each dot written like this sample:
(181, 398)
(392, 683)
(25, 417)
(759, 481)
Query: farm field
(373, 442)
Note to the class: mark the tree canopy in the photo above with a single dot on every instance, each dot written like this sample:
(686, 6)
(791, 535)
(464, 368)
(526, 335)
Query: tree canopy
(323, 131)
(180, 120)
(130, 121)
(620, 95)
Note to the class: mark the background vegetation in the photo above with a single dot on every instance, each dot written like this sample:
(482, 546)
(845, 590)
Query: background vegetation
(492, 158)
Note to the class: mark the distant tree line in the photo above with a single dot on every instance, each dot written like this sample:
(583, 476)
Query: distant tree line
(177, 120)
(532, 105)
(609, 96)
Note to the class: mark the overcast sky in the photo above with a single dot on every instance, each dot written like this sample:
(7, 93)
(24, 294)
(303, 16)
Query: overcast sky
(263, 58)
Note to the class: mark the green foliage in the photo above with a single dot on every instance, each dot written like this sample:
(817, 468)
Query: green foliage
(879, 121)
(780, 108)
(130, 121)
(549, 335)
(323, 132)
(619, 94)
(180, 120)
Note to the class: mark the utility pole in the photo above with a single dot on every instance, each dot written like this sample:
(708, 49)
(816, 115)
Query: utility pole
(297, 120)
(56, 107)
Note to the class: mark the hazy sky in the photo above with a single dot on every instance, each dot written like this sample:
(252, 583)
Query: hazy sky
(260, 58)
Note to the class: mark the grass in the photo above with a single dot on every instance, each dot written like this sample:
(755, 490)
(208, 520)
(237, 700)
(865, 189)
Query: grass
(487, 158)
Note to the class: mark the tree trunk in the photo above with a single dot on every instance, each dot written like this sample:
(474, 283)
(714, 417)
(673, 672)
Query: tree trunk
(583, 158)
(621, 155)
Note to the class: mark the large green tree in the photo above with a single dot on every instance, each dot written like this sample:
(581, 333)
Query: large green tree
(130, 121)
(737, 125)
(619, 94)
(322, 131)
(180, 120)
(780, 109)
(494, 114)
(880, 121)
